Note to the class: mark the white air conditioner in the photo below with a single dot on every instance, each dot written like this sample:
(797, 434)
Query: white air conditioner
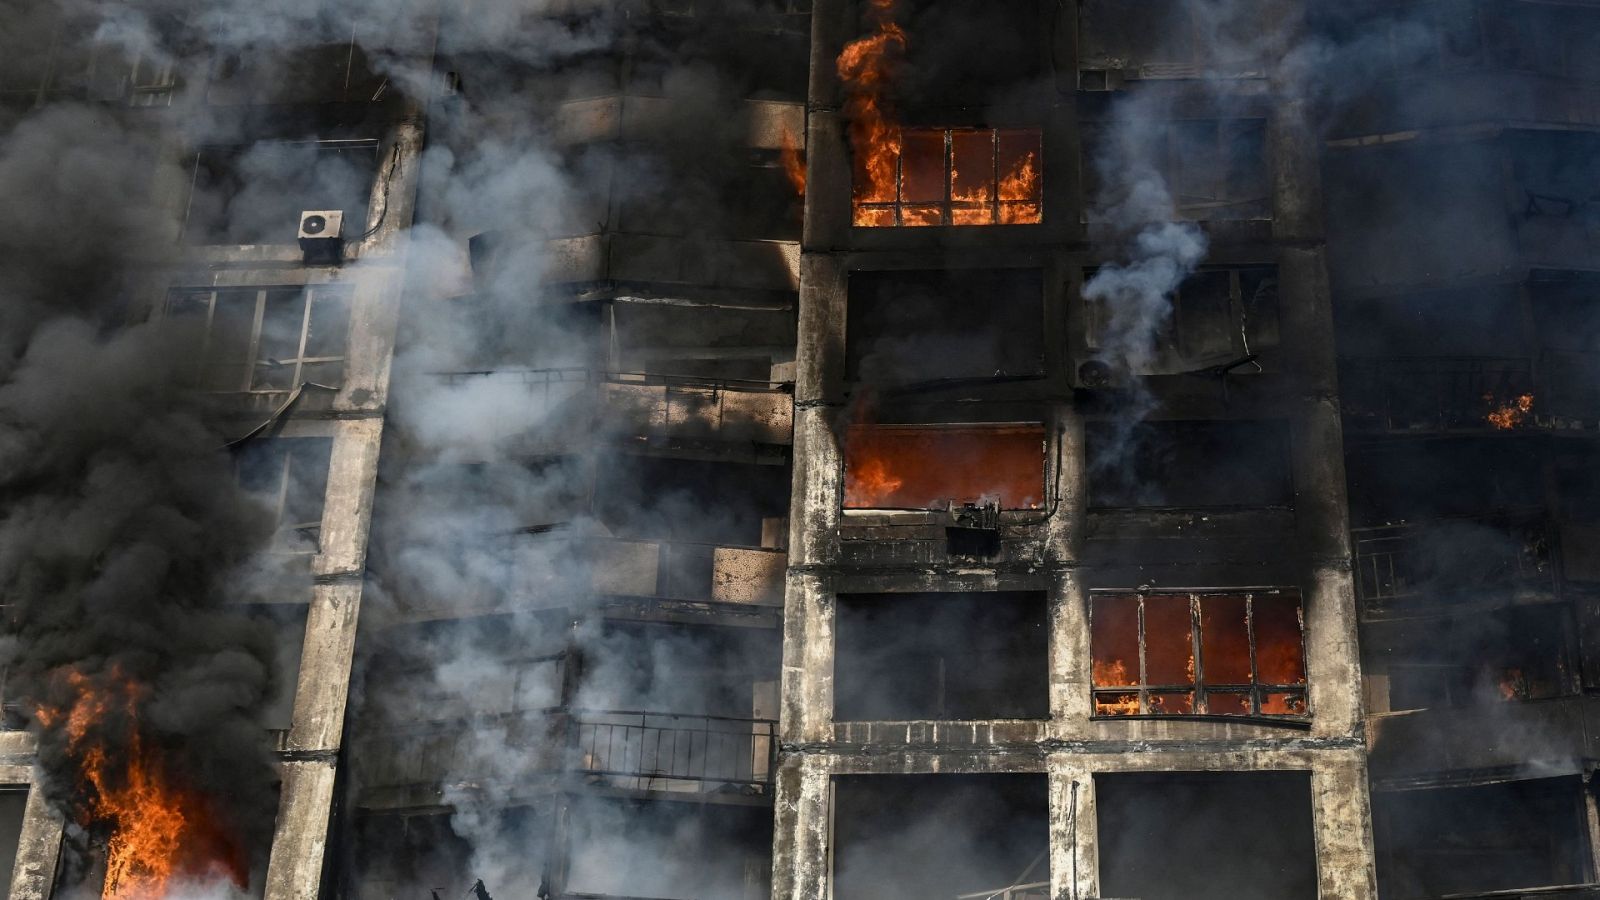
(321, 230)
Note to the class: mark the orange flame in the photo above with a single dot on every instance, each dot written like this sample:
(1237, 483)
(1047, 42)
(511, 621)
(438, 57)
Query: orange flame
(794, 162)
(1509, 415)
(1020, 184)
(160, 831)
(864, 66)
(1513, 685)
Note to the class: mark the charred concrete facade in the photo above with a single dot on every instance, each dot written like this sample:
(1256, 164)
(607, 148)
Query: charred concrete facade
(739, 532)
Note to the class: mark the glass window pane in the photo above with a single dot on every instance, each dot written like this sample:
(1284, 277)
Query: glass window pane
(1229, 703)
(1224, 639)
(1283, 703)
(228, 352)
(1280, 657)
(1111, 703)
(972, 166)
(1114, 640)
(922, 166)
(1168, 640)
(1171, 704)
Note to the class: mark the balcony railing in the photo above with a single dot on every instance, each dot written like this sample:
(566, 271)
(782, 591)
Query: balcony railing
(1555, 892)
(653, 751)
(1038, 890)
(1450, 559)
(554, 406)
(1433, 394)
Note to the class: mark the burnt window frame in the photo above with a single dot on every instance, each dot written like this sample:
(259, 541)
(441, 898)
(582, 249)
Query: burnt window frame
(207, 368)
(1048, 466)
(1246, 312)
(228, 154)
(860, 209)
(1255, 688)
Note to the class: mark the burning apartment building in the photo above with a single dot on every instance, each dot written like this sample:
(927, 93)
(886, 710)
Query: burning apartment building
(799, 449)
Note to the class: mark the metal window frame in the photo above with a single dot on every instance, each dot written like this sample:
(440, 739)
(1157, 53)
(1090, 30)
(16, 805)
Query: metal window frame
(1256, 689)
(994, 205)
(309, 294)
(277, 500)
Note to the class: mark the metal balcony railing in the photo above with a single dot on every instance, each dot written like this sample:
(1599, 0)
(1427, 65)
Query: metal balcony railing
(1554, 892)
(1411, 564)
(660, 751)
(1038, 890)
(1431, 394)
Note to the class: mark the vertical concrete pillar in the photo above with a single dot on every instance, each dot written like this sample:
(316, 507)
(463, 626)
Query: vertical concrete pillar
(1342, 815)
(800, 864)
(1074, 834)
(39, 848)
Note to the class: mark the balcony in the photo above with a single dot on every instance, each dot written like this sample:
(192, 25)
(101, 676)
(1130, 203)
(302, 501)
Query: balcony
(663, 752)
(1438, 394)
(1554, 892)
(1487, 736)
(680, 570)
(550, 410)
(1451, 563)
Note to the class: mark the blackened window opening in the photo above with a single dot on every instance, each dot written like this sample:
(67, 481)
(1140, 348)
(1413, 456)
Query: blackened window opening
(254, 194)
(1179, 654)
(1207, 836)
(289, 478)
(941, 656)
(1220, 315)
(268, 338)
(1188, 464)
(1215, 169)
(950, 324)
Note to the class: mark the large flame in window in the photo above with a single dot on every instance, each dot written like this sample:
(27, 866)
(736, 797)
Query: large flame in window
(158, 832)
(927, 466)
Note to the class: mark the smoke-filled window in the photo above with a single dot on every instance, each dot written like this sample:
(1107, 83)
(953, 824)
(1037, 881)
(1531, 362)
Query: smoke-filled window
(950, 176)
(268, 338)
(289, 477)
(918, 326)
(941, 656)
(1207, 836)
(254, 194)
(1220, 315)
(1220, 654)
(915, 837)
(1169, 39)
(1214, 169)
(13, 801)
(932, 466)
(1511, 655)
(1188, 464)
(1471, 840)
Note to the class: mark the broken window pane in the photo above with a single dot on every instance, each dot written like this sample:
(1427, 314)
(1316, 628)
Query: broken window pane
(947, 176)
(1251, 662)
(930, 466)
(1219, 316)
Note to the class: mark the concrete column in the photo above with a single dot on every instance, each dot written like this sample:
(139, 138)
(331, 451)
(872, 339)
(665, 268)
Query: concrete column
(1342, 815)
(806, 704)
(800, 865)
(1074, 834)
(39, 848)
(1070, 668)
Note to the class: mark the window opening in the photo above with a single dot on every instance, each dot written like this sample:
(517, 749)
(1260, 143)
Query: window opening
(269, 338)
(956, 176)
(1174, 654)
(933, 466)
(289, 476)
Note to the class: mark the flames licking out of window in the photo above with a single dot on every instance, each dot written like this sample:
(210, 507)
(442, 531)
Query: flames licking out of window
(950, 176)
(928, 466)
(1221, 654)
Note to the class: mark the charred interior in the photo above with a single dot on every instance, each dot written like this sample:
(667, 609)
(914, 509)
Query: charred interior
(800, 449)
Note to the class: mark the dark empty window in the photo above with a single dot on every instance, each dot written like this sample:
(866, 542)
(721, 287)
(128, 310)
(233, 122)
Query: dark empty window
(255, 194)
(1206, 836)
(1221, 654)
(1170, 38)
(915, 837)
(923, 326)
(1219, 315)
(1512, 655)
(268, 338)
(1188, 464)
(289, 476)
(13, 802)
(941, 656)
(1469, 840)
(1213, 168)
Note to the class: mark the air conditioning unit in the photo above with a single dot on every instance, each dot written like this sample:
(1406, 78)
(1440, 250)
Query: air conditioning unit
(322, 232)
